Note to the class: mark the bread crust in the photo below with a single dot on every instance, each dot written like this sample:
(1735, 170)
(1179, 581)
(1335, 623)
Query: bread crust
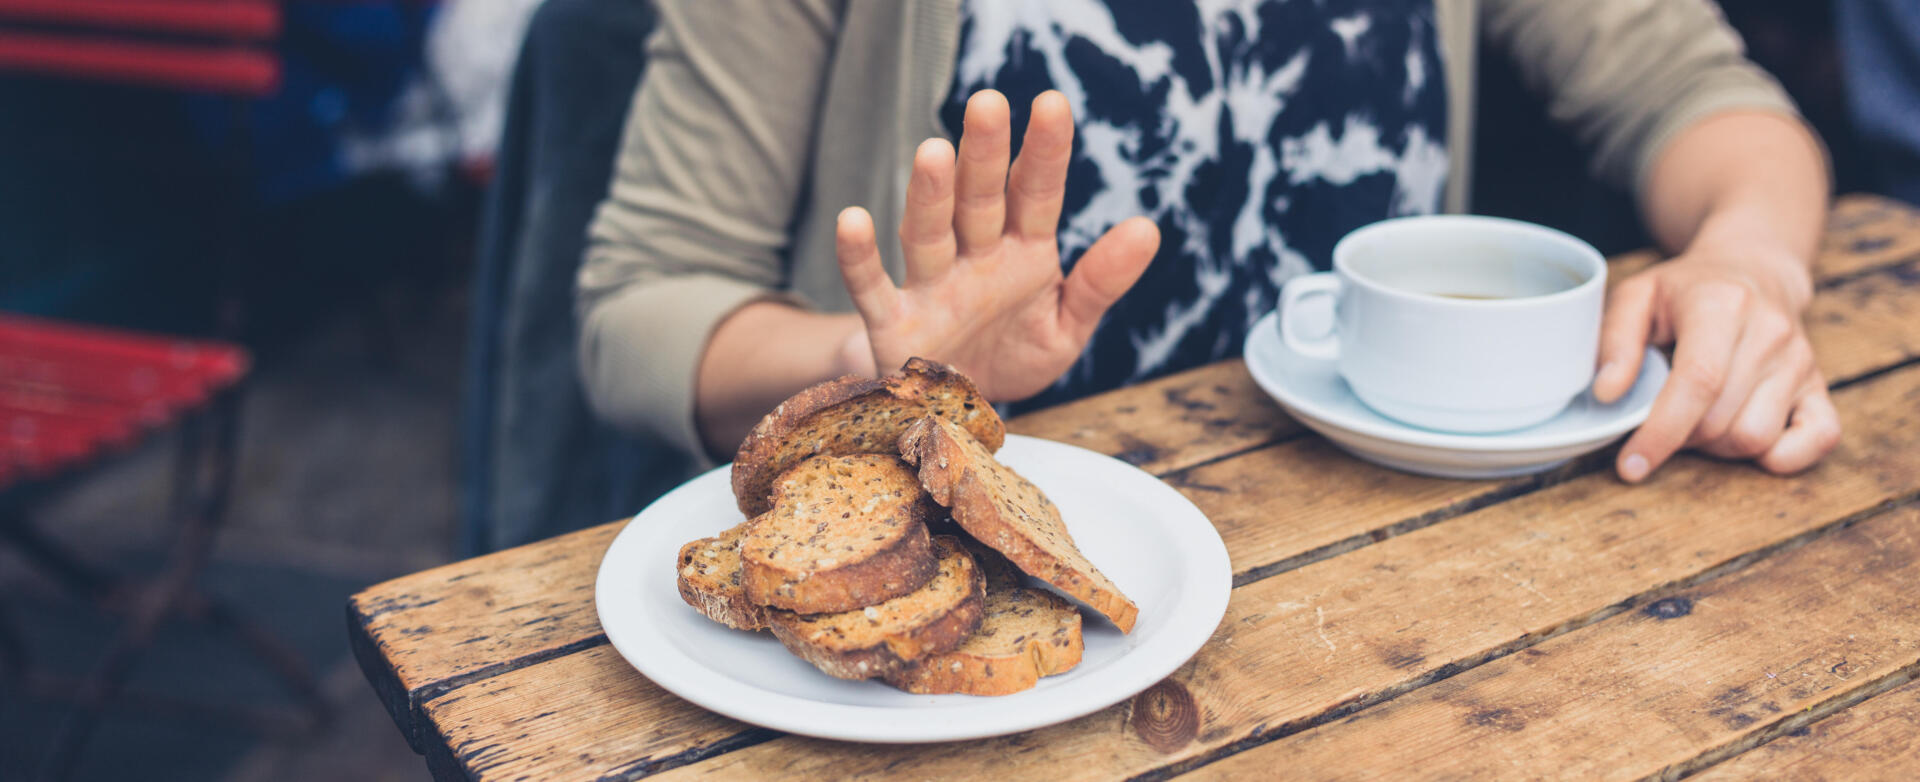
(793, 430)
(951, 476)
(754, 465)
(1014, 667)
(718, 596)
(900, 568)
(894, 651)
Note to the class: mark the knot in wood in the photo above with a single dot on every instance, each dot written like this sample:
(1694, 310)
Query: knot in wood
(1669, 608)
(1165, 716)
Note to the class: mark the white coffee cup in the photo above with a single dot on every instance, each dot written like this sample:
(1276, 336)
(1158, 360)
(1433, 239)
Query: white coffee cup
(1455, 323)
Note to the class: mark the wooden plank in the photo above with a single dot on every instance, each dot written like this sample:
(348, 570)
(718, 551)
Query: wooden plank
(1867, 231)
(405, 618)
(1331, 503)
(1382, 620)
(1875, 739)
(650, 727)
(1867, 322)
(420, 635)
(1657, 692)
(1334, 503)
(1169, 423)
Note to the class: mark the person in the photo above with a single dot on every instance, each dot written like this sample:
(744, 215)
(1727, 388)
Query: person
(1880, 54)
(1176, 163)
(535, 461)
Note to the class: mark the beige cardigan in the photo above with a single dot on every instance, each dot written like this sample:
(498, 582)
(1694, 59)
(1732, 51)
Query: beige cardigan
(759, 120)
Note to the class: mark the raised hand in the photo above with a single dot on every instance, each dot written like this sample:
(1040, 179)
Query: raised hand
(983, 289)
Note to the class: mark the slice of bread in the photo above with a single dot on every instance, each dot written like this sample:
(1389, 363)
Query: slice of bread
(845, 532)
(710, 580)
(1009, 514)
(880, 640)
(856, 415)
(1025, 634)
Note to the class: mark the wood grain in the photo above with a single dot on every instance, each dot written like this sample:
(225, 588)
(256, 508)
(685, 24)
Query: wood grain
(1651, 692)
(420, 635)
(1866, 322)
(1166, 424)
(1866, 231)
(1333, 637)
(1875, 739)
(488, 732)
(426, 634)
(1332, 502)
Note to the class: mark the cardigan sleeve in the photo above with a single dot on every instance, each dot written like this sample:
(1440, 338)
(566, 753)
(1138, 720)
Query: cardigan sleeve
(1626, 76)
(697, 217)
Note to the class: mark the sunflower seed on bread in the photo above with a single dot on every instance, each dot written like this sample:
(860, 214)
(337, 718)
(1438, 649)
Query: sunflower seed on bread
(1008, 513)
(709, 577)
(1024, 634)
(845, 532)
(856, 415)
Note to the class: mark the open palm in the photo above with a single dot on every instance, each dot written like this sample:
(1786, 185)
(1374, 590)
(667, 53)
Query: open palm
(983, 289)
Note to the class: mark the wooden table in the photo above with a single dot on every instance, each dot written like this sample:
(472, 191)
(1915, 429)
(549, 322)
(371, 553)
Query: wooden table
(1714, 619)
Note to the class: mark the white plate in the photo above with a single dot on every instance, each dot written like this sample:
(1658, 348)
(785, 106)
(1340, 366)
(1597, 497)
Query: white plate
(1152, 542)
(1313, 392)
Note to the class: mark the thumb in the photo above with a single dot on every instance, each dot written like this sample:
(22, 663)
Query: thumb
(1105, 272)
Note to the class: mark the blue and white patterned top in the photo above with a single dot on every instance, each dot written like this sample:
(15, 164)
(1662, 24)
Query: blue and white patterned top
(1255, 132)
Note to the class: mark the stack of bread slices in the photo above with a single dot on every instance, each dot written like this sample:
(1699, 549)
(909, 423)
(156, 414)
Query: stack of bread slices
(885, 541)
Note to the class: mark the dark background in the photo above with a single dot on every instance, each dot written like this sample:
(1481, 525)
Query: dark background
(354, 302)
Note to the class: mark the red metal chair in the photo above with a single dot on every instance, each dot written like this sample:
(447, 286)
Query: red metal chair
(71, 395)
(217, 46)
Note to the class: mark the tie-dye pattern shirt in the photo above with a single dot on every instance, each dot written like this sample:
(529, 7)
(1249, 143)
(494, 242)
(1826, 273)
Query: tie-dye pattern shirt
(1254, 132)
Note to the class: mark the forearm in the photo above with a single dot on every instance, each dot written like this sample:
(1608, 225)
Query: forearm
(762, 354)
(1741, 179)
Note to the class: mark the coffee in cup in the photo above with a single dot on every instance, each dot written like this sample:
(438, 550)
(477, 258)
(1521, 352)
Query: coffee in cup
(1455, 323)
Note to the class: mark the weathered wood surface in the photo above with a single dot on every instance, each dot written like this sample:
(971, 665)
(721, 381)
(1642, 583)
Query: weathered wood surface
(626, 726)
(1317, 642)
(1333, 503)
(1876, 739)
(1167, 424)
(1866, 231)
(476, 648)
(1656, 692)
(421, 635)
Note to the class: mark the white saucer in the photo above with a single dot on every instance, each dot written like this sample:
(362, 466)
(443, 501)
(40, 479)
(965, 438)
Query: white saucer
(1313, 392)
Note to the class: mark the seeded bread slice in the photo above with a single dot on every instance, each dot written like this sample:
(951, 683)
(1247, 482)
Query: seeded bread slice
(710, 580)
(1006, 512)
(1024, 635)
(881, 639)
(856, 415)
(845, 532)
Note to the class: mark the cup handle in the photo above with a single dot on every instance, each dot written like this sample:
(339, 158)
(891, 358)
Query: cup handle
(1325, 347)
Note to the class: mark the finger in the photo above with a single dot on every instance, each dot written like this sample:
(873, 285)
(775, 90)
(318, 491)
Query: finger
(926, 230)
(980, 195)
(1761, 419)
(1623, 337)
(1038, 180)
(1104, 273)
(1766, 348)
(1706, 331)
(860, 266)
(1811, 435)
